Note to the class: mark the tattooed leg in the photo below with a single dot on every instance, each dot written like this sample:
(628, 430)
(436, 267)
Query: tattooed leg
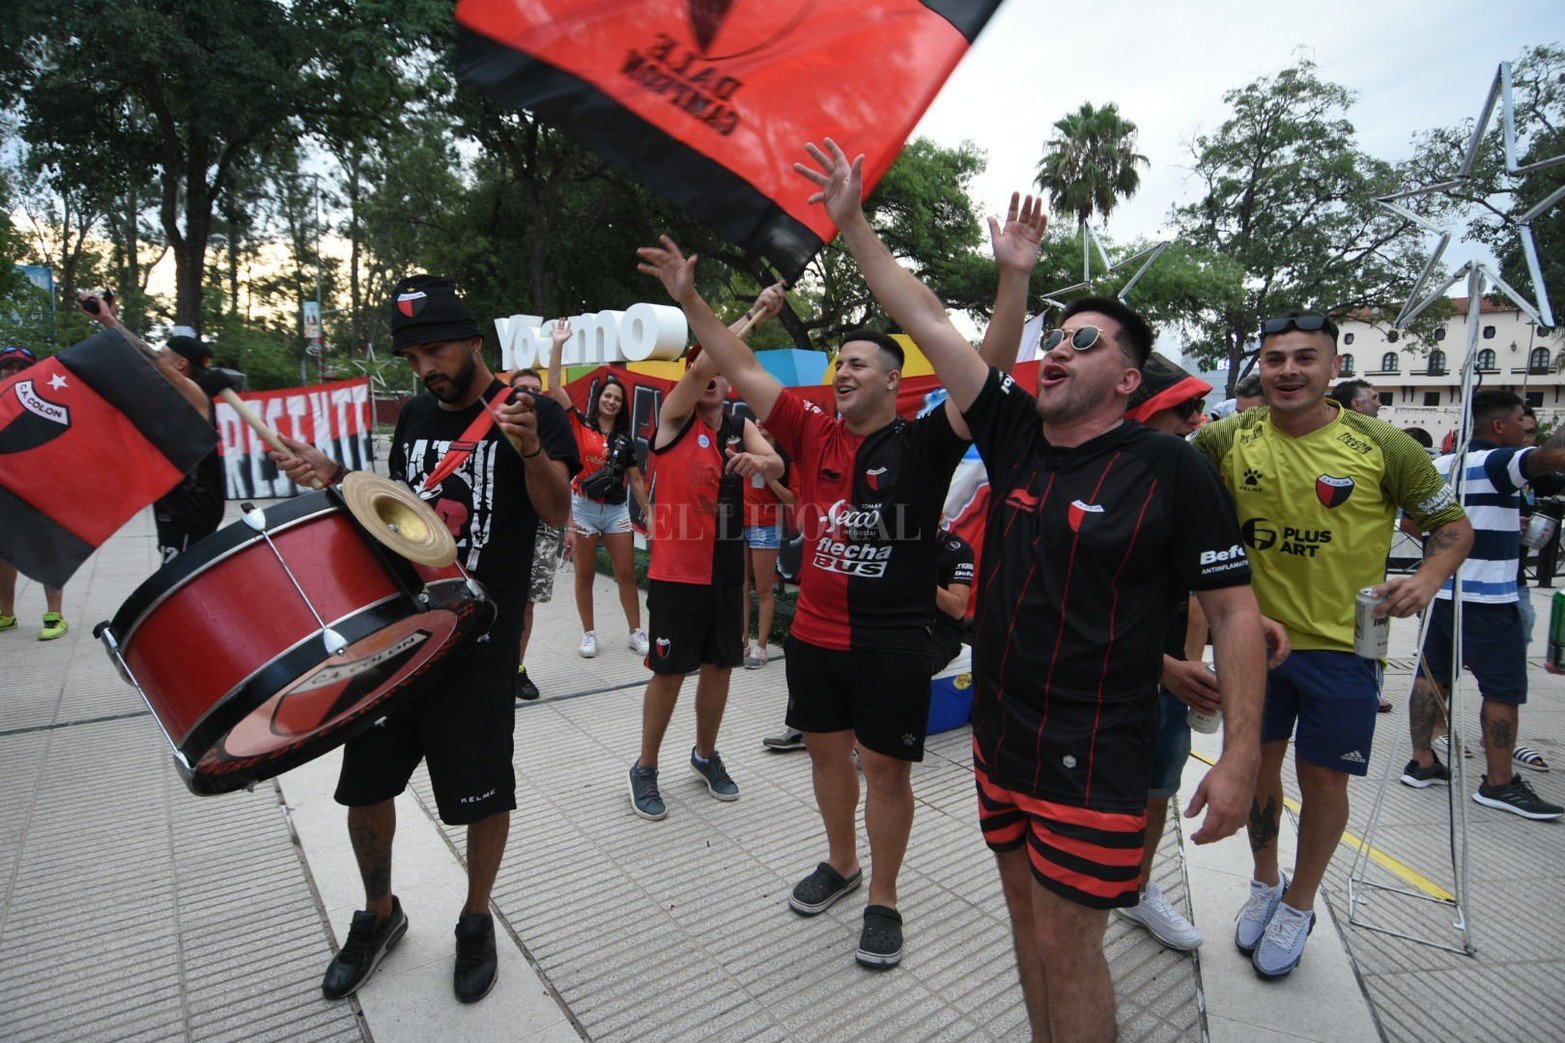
(371, 830)
(1423, 714)
(1266, 812)
(1499, 739)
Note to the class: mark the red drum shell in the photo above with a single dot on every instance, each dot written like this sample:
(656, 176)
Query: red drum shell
(230, 659)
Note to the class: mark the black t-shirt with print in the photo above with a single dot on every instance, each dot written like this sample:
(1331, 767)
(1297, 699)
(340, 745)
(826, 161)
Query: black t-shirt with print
(484, 502)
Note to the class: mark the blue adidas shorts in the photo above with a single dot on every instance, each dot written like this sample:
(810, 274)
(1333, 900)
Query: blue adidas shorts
(1334, 698)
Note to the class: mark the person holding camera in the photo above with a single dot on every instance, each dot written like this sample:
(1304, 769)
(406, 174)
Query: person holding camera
(599, 507)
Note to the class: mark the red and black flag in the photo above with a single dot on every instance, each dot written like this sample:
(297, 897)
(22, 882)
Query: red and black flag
(87, 439)
(710, 102)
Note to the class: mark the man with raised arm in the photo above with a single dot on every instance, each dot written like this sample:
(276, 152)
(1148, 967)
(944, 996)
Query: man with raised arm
(872, 485)
(701, 456)
(1097, 527)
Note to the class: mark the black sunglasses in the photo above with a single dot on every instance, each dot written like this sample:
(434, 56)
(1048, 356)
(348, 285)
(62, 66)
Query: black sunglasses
(1189, 408)
(1308, 323)
(1083, 338)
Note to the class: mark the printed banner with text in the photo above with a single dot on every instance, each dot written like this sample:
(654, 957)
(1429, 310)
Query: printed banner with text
(335, 418)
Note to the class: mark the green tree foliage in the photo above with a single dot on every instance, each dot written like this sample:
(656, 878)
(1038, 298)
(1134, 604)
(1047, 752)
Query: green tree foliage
(1289, 198)
(1090, 164)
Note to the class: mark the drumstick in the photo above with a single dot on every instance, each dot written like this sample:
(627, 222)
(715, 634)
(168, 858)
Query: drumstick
(258, 425)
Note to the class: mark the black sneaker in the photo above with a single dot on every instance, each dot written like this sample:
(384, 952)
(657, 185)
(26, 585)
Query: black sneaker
(645, 800)
(816, 892)
(526, 691)
(1419, 777)
(477, 968)
(367, 944)
(880, 942)
(1518, 798)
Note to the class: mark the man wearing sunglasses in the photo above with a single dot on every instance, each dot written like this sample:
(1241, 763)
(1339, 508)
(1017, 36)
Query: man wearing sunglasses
(1097, 527)
(1317, 488)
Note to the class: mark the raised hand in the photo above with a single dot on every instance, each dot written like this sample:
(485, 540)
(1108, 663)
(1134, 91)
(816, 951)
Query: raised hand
(770, 301)
(559, 335)
(669, 266)
(1016, 242)
(841, 181)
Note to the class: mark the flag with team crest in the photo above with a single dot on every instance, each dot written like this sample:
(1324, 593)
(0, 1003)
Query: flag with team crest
(87, 439)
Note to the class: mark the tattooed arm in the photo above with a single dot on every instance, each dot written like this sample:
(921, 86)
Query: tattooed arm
(1444, 553)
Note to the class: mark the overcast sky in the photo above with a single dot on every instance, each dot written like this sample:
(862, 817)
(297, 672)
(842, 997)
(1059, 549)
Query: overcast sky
(1167, 65)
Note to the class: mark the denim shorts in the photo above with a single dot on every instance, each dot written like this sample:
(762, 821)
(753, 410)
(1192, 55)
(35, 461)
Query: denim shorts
(1172, 748)
(591, 518)
(763, 537)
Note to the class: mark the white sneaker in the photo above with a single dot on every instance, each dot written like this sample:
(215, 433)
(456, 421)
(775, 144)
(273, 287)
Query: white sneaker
(589, 645)
(638, 642)
(1163, 921)
(1257, 913)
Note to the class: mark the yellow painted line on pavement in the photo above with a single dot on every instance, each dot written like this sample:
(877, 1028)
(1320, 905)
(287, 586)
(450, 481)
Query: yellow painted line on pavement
(1397, 867)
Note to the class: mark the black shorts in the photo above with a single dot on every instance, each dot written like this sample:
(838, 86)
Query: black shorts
(690, 624)
(461, 726)
(882, 696)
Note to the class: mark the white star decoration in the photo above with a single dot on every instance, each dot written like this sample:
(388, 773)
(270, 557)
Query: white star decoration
(1089, 239)
(1540, 312)
(57, 381)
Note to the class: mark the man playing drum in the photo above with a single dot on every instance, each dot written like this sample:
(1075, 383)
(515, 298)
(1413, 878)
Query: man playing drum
(492, 500)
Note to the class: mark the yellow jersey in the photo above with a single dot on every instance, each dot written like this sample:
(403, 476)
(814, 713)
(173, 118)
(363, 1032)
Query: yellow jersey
(1317, 513)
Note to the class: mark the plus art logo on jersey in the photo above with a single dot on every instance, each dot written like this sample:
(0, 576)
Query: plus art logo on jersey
(1084, 515)
(1333, 491)
(1300, 542)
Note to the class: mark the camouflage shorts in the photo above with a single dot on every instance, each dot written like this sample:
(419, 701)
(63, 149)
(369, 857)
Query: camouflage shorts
(547, 551)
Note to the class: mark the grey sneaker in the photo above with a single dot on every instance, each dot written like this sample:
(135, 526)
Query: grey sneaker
(1282, 946)
(1257, 913)
(787, 739)
(714, 775)
(645, 800)
(1420, 777)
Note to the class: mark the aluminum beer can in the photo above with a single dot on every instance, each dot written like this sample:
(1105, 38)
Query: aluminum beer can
(1371, 636)
(1540, 529)
(1206, 723)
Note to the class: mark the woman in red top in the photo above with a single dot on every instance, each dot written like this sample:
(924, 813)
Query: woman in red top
(599, 510)
(763, 529)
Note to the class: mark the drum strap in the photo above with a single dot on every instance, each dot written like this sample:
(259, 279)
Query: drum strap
(463, 447)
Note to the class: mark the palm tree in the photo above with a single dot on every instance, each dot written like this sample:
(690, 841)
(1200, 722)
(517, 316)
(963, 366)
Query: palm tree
(1090, 164)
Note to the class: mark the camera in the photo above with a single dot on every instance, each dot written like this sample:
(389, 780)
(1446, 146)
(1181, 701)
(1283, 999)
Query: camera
(89, 301)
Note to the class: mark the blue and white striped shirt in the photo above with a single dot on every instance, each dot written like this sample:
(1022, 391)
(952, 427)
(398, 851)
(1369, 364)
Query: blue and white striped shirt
(1492, 497)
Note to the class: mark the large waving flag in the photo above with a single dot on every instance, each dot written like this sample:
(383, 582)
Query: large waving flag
(710, 102)
(87, 439)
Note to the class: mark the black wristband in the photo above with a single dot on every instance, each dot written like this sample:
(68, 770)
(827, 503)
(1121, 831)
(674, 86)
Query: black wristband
(338, 475)
(535, 452)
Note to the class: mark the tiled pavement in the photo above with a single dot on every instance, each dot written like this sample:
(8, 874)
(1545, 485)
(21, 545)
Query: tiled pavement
(134, 910)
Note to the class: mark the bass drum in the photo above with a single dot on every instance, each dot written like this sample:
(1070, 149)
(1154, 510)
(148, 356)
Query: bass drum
(283, 635)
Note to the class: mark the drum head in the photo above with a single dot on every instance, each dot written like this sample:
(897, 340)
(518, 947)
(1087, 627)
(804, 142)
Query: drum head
(393, 515)
(311, 701)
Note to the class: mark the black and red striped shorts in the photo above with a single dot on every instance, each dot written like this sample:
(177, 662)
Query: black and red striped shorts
(1092, 858)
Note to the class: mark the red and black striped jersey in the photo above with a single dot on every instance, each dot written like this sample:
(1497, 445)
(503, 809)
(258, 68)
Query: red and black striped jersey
(869, 512)
(1087, 551)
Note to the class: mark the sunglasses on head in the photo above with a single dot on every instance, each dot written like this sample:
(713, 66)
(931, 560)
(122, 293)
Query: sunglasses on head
(1083, 338)
(1307, 323)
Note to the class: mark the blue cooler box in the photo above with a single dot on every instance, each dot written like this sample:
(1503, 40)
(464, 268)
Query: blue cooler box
(951, 694)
